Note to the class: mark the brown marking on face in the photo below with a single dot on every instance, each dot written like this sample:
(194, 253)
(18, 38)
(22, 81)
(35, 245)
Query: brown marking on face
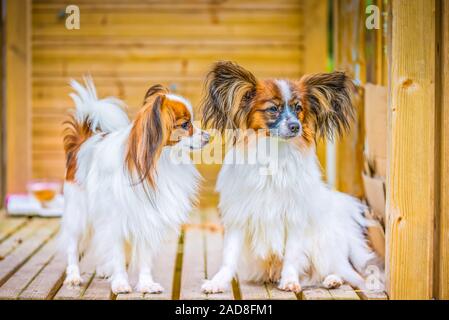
(235, 99)
(305, 116)
(161, 122)
(75, 134)
(182, 125)
(268, 95)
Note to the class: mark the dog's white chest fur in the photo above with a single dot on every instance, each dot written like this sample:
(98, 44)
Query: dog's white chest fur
(119, 203)
(265, 205)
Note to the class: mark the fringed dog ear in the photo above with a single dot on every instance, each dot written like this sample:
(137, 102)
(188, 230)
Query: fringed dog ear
(331, 97)
(156, 89)
(229, 92)
(146, 140)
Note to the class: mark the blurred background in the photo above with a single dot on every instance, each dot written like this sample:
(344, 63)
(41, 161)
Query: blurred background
(395, 50)
(127, 46)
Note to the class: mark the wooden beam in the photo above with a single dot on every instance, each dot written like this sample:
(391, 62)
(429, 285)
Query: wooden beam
(316, 53)
(18, 94)
(349, 56)
(443, 267)
(2, 109)
(412, 150)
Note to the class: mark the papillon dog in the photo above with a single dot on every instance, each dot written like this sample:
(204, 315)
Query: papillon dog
(127, 183)
(287, 227)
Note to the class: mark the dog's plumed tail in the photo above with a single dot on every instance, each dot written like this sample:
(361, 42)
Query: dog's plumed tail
(92, 115)
(101, 115)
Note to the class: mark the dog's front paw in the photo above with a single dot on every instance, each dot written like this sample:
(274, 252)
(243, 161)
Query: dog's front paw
(332, 281)
(102, 272)
(73, 280)
(149, 287)
(290, 285)
(120, 286)
(211, 286)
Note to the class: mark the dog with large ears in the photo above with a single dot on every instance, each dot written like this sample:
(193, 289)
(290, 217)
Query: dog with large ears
(123, 185)
(287, 227)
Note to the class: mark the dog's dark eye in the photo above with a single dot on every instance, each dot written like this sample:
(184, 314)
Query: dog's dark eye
(186, 125)
(297, 107)
(272, 109)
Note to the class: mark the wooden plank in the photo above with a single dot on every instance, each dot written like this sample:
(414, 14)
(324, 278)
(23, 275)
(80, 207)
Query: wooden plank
(253, 291)
(87, 269)
(164, 269)
(193, 265)
(19, 280)
(48, 281)
(18, 101)
(30, 245)
(443, 287)
(372, 295)
(345, 292)
(314, 58)
(349, 53)
(316, 294)
(179, 39)
(163, 6)
(276, 294)
(2, 119)
(10, 225)
(99, 289)
(17, 238)
(214, 247)
(411, 200)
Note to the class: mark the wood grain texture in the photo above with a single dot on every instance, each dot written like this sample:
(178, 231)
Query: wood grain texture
(163, 272)
(45, 285)
(27, 247)
(443, 286)
(98, 289)
(131, 45)
(10, 225)
(412, 151)
(87, 269)
(19, 281)
(18, 94)
(2, 118)
(253, 291)
(345, 292)
(193, 265)
(316, 294)
(214, 246)
(349, 56)
(314, 58)
(18, 237)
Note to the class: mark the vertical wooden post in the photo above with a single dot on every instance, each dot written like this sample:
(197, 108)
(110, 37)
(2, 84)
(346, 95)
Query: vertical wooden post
(412, 150)
(443, 261)
(2, 113)
(349, 56)
(18, 94)
(315, 57)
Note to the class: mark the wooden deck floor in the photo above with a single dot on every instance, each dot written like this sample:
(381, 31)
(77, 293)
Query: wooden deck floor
(31, 268)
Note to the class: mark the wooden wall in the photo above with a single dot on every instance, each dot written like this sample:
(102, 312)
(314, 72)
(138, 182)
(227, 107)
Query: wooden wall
(130, 45)
(417, 184)
(349, 56)
(17, 89)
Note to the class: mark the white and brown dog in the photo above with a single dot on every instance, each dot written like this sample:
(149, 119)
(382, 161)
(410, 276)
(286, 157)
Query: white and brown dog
(122, 183)
(287, 227)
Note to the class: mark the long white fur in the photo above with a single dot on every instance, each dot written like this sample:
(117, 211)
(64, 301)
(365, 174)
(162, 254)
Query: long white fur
(104, 115)
(290, 216)
(104, 202)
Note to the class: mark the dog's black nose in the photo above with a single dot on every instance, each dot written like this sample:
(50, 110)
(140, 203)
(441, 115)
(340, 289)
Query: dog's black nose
(293, 127)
